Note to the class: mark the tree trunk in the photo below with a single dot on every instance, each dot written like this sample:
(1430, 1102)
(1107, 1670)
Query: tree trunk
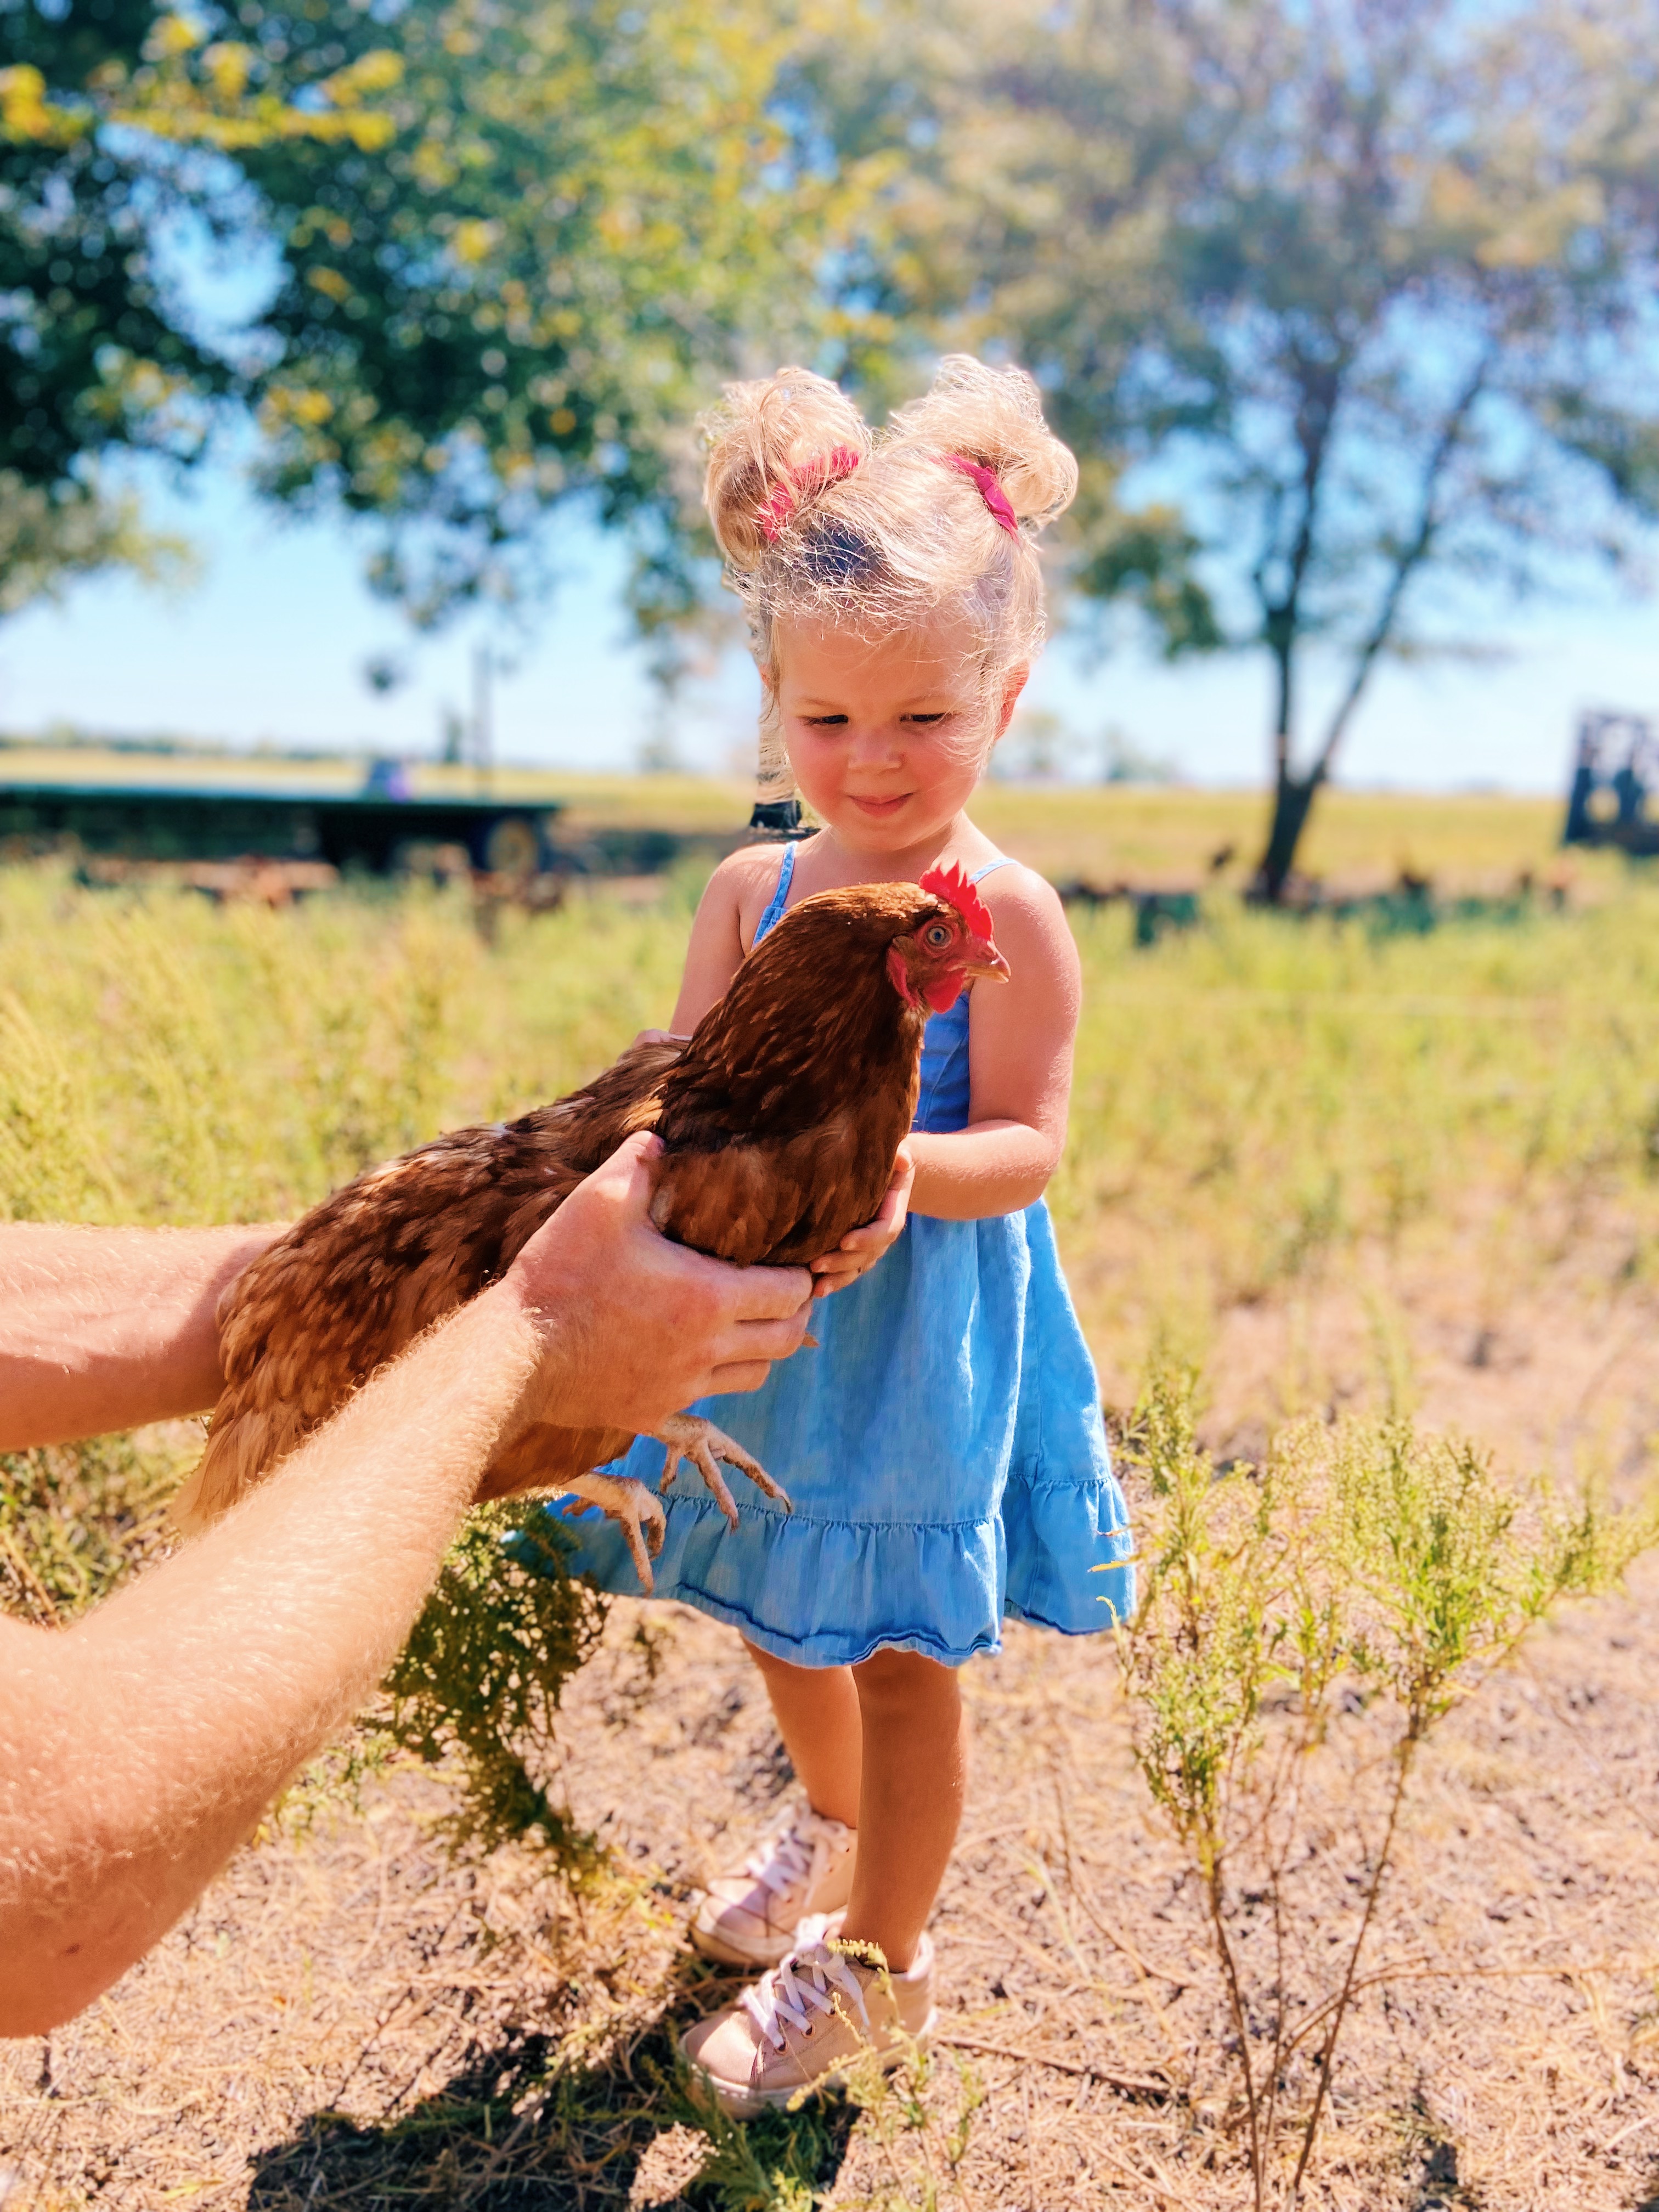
(1293, 799)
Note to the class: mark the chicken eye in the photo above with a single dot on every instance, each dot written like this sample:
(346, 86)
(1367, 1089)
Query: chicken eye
(937, 935)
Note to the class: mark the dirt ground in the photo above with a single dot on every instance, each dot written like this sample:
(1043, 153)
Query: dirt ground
(349, 2021)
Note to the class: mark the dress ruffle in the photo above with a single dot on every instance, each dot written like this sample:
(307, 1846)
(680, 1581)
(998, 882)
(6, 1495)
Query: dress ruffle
(794, 1584)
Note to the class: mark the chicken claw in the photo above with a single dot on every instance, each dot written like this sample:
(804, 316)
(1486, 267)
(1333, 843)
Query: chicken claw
(633, 1506)
(688, 1435)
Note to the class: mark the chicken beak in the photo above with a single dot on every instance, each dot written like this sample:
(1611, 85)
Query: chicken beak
(986, 962)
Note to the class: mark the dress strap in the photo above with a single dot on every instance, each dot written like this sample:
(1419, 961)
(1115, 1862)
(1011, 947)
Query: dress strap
(990, 868)
(774, 913)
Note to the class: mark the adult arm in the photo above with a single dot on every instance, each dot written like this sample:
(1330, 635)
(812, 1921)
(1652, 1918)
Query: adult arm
(138, 1748)
(108, 1328)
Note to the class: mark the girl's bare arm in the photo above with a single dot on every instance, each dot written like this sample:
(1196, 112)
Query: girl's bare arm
(1020, 1036)
(732, 905)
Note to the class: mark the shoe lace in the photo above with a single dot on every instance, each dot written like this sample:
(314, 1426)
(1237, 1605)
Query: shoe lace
(808, 1981)
(791, 1858)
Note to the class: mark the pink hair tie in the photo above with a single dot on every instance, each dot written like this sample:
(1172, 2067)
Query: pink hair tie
(816, 475)
(989, 490)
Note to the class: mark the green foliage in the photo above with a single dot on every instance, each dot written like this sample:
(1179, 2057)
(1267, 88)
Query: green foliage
(1254, 1101)
(95, 104)
(1258, 1100)
(160, 1061)
(92, 356)
(587, 214)
(50, 537)
(1364, 282)
(518, 248)
(773, 2163)
(478, 1685)
(74, 1519)
(1361, 1567)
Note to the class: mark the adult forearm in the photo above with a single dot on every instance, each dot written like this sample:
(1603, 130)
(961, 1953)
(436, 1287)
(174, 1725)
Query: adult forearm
(106, 1328)
(149, 1737)
(989, 1168)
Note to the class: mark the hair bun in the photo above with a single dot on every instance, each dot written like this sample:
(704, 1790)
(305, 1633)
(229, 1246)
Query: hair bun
(769, 439)
(994, 418)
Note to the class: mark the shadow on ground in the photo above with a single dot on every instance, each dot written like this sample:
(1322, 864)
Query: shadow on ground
(509, 2131)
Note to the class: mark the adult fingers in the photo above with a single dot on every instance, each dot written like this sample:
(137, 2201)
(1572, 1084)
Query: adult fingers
(763, 1294)
(738, 1376)
(767, 1339)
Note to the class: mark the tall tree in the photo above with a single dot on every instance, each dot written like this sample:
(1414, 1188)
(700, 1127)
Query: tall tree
(510, 251)
(1342, 280)
(98, 101)
(590, 213)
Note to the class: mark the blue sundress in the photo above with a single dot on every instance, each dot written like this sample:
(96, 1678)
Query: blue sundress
(943, 1448)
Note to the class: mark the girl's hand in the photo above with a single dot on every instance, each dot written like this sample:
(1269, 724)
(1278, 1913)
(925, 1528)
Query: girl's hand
(859, 1251)
(659, 1036)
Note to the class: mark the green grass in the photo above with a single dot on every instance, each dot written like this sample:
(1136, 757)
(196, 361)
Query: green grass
(1261, 1092)
(1252, 1099)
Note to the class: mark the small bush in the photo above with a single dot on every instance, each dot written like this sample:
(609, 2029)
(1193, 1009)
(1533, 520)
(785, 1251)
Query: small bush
(1362, 1569)
(478, 1685)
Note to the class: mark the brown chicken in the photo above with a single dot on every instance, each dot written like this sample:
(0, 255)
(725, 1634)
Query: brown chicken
(779, 1120)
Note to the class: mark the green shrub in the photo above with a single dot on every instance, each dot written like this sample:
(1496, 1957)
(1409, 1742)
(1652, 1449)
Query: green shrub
(1361, 1569)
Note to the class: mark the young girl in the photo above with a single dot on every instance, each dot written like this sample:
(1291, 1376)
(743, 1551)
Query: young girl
(942, 1446)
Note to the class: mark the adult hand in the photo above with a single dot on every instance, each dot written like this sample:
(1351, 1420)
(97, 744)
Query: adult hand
(636, 1328)
(858, 1250)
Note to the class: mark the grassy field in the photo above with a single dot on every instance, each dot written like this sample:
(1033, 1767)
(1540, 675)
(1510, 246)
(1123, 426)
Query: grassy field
(1342, 1173)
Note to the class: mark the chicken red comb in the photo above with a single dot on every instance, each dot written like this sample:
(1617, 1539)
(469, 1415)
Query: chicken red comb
(957, 890)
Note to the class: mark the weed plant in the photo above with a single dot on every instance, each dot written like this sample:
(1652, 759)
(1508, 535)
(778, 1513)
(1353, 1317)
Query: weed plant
(1361, 1569)
(76, 1519)
(477, 1687)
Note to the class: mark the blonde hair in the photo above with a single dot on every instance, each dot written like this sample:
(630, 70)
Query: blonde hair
(821, 521)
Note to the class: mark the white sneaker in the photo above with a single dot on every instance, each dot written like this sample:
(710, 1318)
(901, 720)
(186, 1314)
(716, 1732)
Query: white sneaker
(803, 1865)
(824, 2009)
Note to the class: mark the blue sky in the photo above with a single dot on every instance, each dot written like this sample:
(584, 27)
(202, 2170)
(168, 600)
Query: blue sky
(271, 645)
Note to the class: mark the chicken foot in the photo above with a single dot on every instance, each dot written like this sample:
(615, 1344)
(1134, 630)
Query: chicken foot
(688, 1435)
(638, 1511)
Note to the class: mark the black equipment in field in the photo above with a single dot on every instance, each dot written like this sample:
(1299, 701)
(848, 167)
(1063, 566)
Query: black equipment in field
(1615, 769)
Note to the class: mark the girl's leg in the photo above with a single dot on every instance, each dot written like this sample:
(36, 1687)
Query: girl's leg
(910, 1807)
(817, 1709)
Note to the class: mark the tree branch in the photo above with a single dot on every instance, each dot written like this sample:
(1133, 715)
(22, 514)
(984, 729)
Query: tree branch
(1411, 558)
(1281, 618)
